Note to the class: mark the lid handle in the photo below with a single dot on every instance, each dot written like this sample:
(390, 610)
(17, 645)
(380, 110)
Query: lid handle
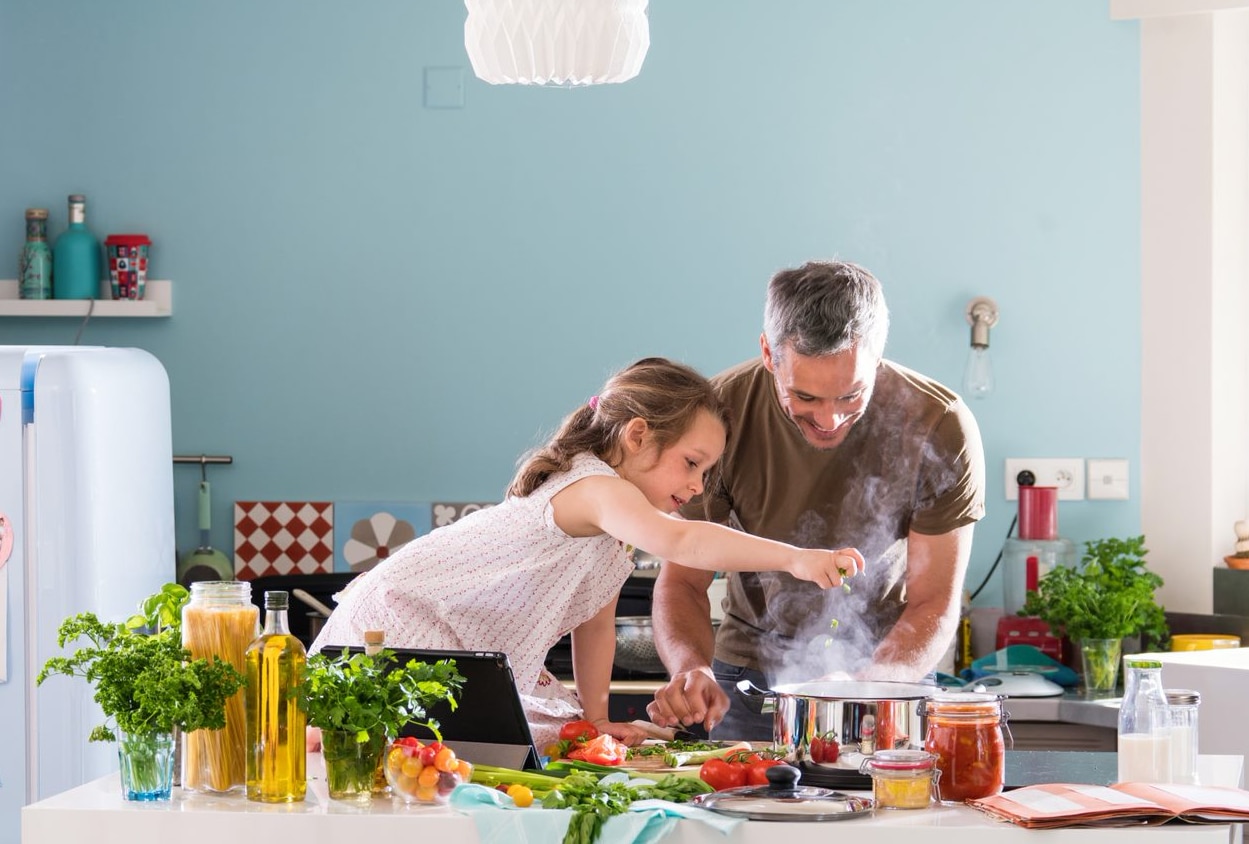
(782, 779)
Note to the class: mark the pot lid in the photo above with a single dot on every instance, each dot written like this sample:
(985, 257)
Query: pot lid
(856, 690)
(782, 799)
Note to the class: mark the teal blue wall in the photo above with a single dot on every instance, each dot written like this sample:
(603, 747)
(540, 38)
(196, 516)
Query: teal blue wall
(378, 300)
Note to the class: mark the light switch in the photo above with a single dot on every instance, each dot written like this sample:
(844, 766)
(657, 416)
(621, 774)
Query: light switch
(1108, 479)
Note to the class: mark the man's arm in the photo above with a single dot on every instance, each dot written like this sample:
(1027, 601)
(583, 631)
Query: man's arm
(935, 569)
(681, 618)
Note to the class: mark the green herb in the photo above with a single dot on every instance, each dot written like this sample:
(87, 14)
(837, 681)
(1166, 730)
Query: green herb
(160, 610)
(144, 684)
(1109, 595)
(363, 694)
(675, 746)
(593, 801)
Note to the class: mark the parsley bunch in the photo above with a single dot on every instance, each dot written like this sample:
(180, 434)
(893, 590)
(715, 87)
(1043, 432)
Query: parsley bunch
(367, 695)
(144, 684)
(1109, 595)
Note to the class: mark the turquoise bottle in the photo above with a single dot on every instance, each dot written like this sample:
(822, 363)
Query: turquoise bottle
(76, 258)
(35, 266)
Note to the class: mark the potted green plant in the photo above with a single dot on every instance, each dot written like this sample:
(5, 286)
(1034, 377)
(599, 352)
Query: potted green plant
(148, 686)
(1107, 596)
(360, 701)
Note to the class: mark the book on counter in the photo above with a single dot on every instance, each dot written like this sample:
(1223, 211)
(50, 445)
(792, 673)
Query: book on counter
(1054, 805)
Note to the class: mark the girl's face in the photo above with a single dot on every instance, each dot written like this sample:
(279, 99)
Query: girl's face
(671, 477)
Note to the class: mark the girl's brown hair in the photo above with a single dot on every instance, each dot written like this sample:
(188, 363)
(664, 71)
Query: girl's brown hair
(667, 395)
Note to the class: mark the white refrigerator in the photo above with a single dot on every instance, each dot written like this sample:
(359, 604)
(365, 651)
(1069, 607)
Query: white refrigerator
(86, 524)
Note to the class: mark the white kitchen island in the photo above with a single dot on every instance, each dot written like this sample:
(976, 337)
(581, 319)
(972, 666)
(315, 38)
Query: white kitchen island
(97, 812)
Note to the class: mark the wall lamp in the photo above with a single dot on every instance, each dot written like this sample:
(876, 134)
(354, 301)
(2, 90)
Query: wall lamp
(978, 373)
(557, 43)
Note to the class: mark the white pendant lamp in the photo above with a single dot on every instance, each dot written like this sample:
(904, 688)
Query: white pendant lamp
(556, 42)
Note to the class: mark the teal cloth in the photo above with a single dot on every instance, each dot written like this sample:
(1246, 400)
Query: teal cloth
(1021, 658)
(499, 821)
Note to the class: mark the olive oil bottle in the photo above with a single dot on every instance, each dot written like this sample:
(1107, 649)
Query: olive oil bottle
(276, 756)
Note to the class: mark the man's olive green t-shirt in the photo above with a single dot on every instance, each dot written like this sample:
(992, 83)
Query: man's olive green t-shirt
(913, 462)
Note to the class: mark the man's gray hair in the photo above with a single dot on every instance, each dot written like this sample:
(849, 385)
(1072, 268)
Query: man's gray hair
(825, 307)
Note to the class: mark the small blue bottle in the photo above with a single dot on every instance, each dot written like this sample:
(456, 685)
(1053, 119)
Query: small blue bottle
(76, 257)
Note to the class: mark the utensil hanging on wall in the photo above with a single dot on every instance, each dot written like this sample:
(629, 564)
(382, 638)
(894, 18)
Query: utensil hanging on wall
(205, 562)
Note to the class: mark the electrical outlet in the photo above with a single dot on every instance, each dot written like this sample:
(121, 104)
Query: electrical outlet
(1066, 473)
(1108, 479)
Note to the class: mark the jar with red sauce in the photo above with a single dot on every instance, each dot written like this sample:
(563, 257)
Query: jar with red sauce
(965, 732)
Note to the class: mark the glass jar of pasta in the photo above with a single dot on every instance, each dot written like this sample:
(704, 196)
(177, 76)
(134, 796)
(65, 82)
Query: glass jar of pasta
(965, 732)
(219, 622)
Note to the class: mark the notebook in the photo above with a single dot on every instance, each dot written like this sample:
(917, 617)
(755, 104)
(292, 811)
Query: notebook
(488, 727)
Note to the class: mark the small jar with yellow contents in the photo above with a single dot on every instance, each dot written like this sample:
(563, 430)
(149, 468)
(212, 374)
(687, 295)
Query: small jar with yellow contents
(902, 779)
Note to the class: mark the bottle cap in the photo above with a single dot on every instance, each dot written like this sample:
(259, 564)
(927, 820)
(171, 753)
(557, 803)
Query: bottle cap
(77, 197)
(374, 637)
(277, 600)
(36, 213)
(1182, 697)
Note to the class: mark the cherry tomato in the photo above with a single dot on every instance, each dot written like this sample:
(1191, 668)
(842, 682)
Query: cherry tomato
(757, 774)
(446, 760)
(817, 750)
(428, 754)
(720, 774)
(522, 795)
(578, 731)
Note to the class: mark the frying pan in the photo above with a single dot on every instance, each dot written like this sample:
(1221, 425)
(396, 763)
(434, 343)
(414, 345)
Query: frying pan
(205, 562)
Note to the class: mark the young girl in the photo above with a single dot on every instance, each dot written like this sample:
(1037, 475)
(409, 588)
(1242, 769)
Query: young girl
(552, 557)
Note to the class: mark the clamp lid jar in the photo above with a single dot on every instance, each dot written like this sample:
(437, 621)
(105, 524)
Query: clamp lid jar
(902, 779)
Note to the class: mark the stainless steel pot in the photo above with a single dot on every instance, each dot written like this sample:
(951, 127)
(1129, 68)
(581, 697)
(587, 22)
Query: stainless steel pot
(862, 717)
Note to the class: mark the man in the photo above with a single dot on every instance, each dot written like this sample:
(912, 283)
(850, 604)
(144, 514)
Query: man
(831, 446)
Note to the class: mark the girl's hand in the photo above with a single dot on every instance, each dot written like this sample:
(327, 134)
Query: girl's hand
(630, 734)
(828, 568)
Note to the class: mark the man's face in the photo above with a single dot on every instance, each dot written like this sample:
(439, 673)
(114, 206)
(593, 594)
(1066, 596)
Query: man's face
(824, 396)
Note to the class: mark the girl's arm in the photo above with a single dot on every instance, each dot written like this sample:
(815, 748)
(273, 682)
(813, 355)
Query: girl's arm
(603, 504)
(593, 647)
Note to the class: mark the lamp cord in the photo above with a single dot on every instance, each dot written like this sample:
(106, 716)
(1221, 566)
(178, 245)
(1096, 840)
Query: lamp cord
(993, 567)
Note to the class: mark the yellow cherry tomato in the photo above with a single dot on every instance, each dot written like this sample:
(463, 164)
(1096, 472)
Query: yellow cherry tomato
(521, 795)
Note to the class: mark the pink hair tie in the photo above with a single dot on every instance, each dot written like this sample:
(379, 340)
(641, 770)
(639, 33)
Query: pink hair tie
(593, 402)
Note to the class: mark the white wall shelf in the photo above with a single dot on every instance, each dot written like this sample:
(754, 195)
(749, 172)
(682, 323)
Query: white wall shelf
(157, 301)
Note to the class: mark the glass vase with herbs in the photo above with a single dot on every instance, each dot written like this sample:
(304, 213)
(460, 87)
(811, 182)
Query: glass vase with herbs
(148, 686)
(1108, 596)
(360, 701)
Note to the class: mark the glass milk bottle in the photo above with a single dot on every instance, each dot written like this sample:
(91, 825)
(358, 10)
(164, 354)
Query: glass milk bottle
(276, 755)
(1183, 703)
(1144, 724)
(219, 622)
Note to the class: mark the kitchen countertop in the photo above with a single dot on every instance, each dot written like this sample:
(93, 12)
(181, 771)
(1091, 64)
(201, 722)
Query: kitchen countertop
(96, 811)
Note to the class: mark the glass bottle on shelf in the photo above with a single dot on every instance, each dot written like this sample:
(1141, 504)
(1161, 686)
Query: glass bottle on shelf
(76, 256)
(1144, 724)
(276, 756)
(219, 622)
(35, 266)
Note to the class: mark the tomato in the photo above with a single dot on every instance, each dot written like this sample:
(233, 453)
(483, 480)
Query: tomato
(578, 731)
(408, 741)
(757, 774)
(720, 774)
(601, 750)
(428, 754)
(522, 795)
(446, 760)
(824, 748)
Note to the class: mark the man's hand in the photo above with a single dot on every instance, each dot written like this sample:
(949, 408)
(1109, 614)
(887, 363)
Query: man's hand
(691, 697)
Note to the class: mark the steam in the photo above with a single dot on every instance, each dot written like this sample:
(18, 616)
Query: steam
(801, 642)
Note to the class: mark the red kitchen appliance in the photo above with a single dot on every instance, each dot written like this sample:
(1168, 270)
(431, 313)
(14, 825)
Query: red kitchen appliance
(1037, 549)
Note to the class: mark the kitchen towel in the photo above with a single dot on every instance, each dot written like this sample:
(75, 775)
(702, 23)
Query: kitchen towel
(499, 821)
